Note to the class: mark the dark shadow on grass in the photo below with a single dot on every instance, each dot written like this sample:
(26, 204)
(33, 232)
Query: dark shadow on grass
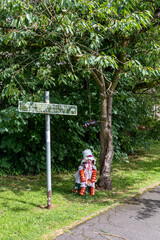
(18, 186)
(101, 198)
(17, 209)
(122, 182)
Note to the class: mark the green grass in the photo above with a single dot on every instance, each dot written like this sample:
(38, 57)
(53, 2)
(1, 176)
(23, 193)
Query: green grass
(23, 218)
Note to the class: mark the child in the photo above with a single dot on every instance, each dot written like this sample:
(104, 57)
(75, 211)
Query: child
(86, 175)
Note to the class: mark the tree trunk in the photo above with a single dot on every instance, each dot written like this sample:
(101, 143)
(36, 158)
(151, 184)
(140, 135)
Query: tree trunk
(106, 138)
(107, 151)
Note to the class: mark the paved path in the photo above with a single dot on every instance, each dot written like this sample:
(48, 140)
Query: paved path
(135, 219)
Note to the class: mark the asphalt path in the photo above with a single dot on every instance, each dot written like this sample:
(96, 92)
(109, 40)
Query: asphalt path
(135, 219)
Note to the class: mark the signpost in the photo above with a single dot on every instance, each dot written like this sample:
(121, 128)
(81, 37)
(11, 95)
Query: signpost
(36, 107)
(47, 108)
(48, 155)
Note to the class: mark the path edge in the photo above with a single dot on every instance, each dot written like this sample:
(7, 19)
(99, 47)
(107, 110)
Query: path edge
(76, 223)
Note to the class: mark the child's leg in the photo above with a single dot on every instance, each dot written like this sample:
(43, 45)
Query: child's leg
(92, 190)
(82, 191)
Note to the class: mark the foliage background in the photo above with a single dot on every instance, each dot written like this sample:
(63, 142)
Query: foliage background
(30, 65)
(22, 141)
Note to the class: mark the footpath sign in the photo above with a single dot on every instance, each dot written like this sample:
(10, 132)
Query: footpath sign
(47, 109)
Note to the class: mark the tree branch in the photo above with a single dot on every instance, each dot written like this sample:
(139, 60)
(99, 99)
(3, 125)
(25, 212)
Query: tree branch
(96, 78)
(146, 85)
(116, 77)
(50, 14)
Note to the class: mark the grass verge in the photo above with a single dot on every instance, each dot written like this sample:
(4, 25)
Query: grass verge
(22, 215)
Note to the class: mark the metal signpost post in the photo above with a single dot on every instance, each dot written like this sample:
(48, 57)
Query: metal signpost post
(48, 155)
(47, 108)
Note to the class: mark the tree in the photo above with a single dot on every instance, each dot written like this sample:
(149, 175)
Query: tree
(102, 40)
